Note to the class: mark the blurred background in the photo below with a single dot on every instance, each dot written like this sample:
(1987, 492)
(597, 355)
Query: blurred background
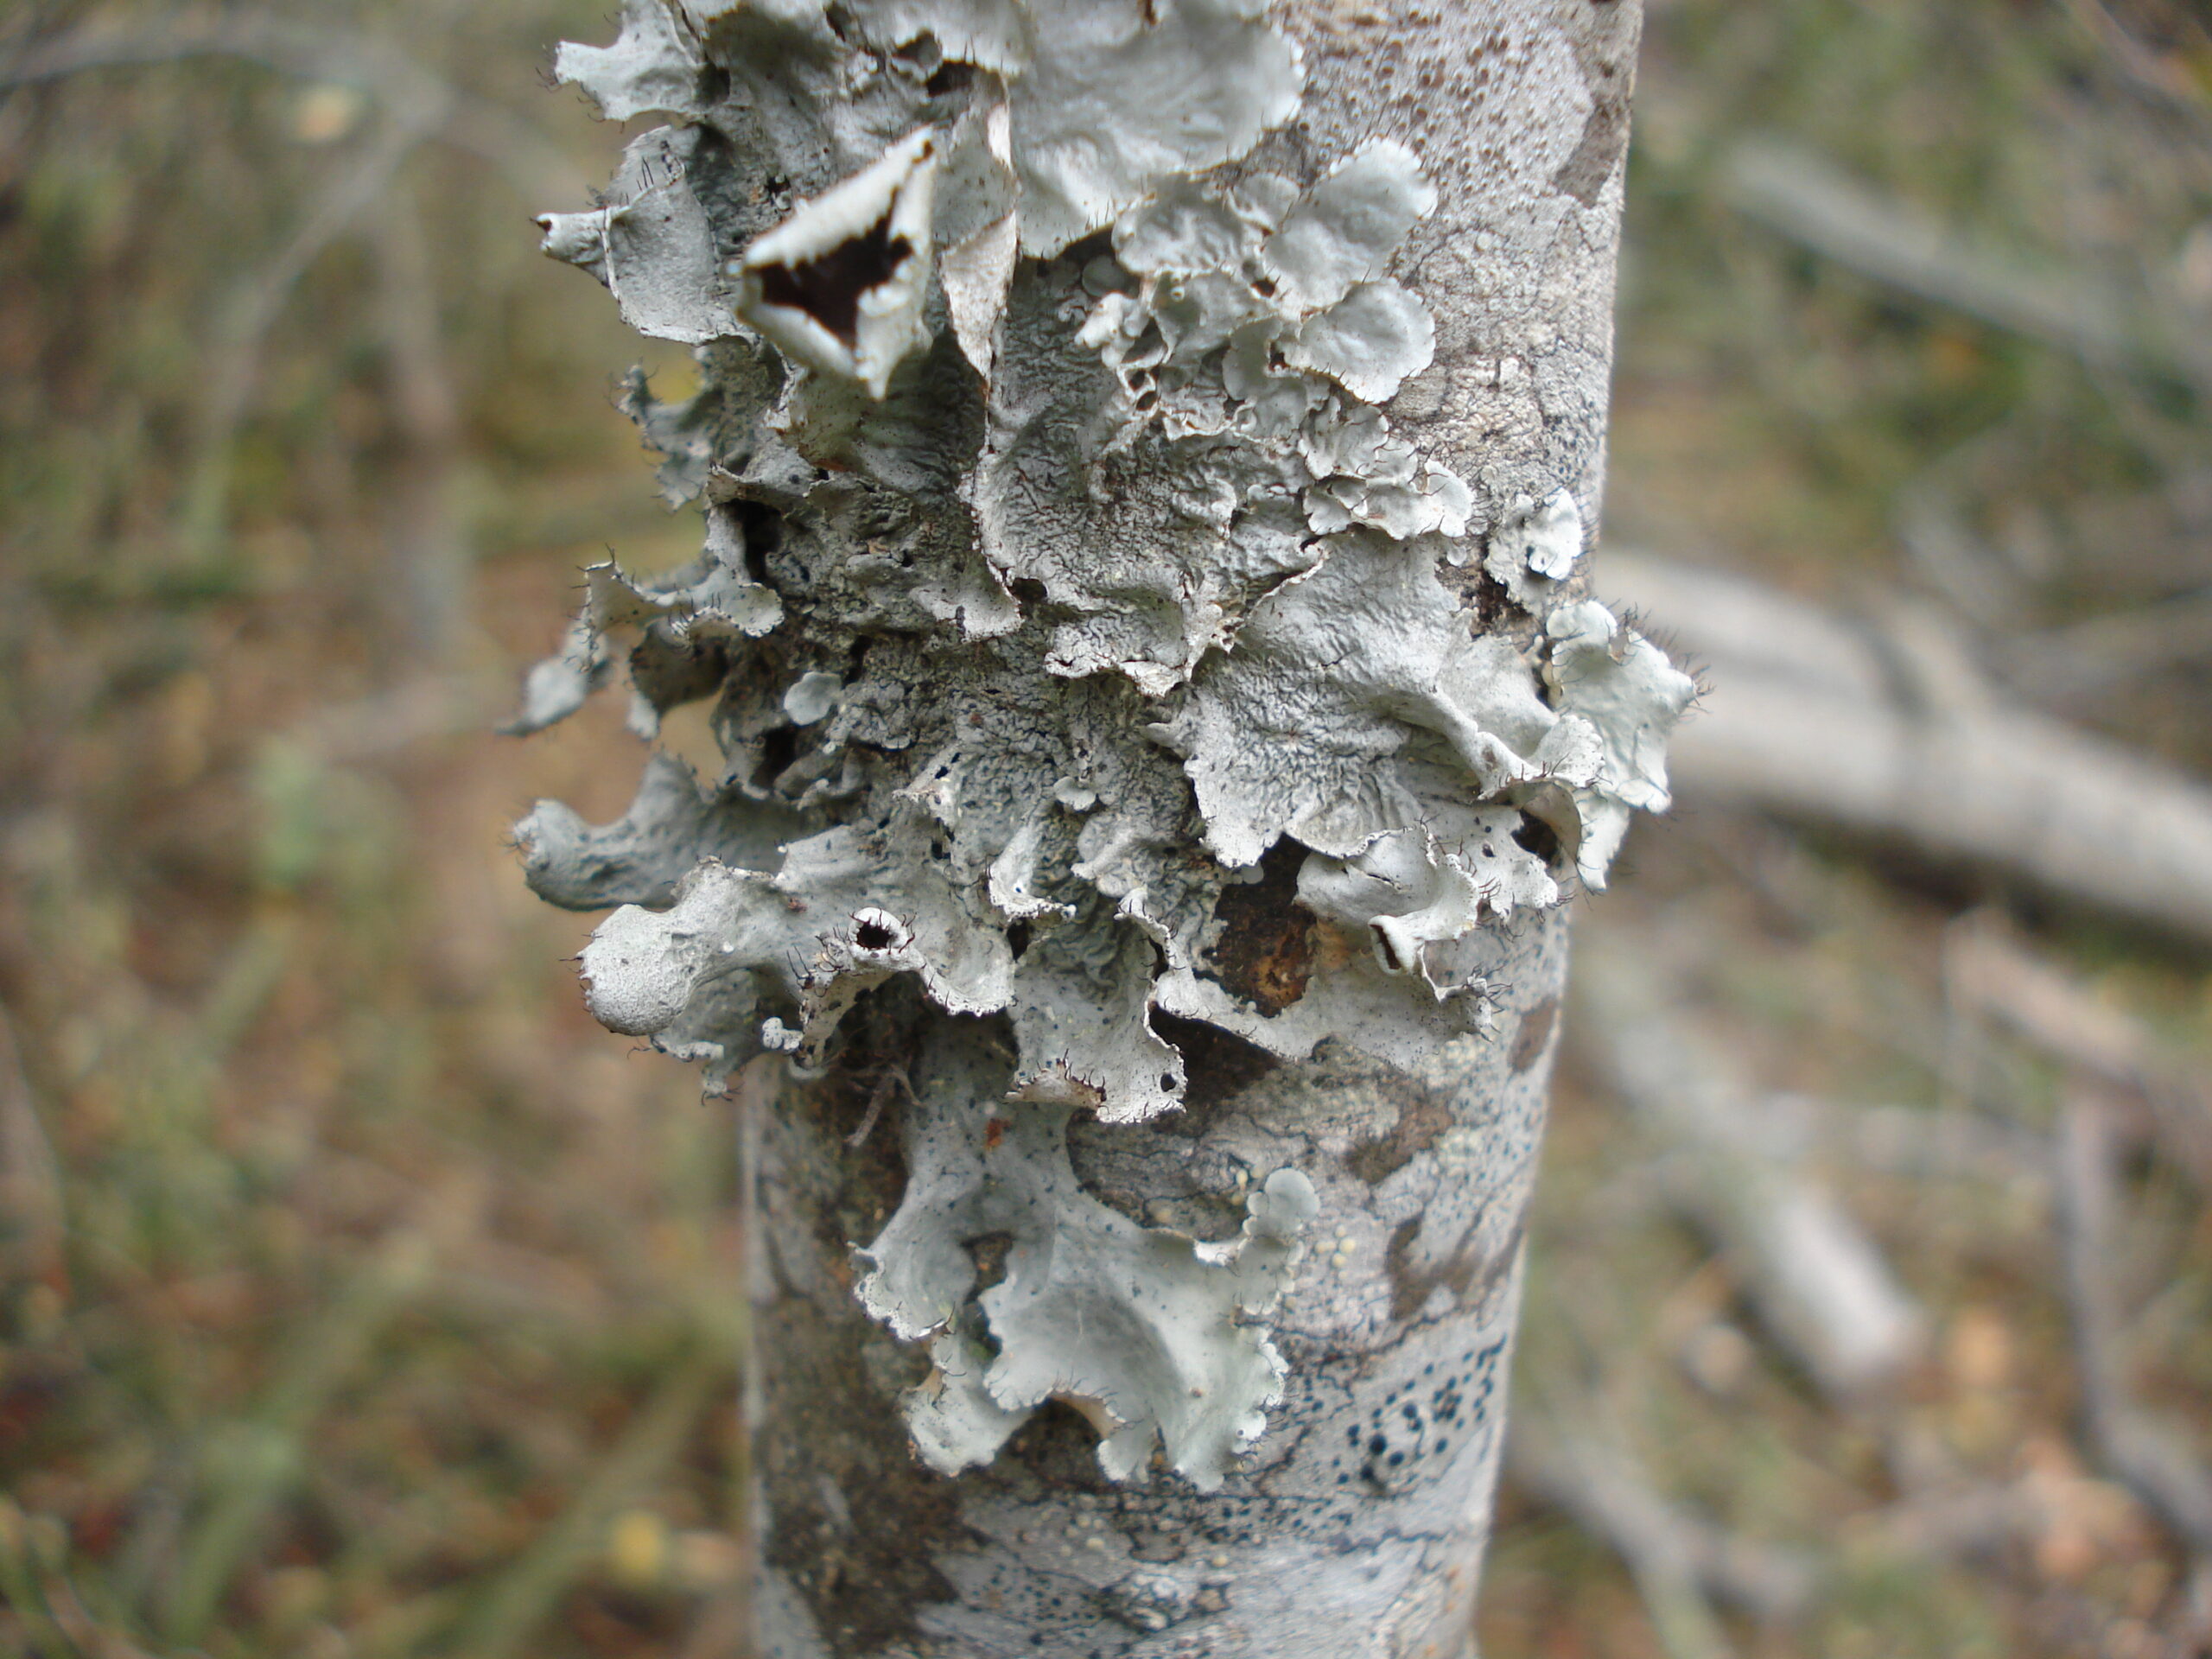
(358, 1296)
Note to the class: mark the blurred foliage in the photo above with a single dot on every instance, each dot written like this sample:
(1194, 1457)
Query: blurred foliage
(359, 1297)
(355, 1286)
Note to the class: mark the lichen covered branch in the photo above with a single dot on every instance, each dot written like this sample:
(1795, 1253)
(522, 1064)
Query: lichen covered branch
(1088, 648)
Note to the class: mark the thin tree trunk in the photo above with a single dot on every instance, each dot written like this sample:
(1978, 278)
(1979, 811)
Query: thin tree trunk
(1151, 813)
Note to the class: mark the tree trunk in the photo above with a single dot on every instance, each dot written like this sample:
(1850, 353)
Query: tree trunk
(1148, 450)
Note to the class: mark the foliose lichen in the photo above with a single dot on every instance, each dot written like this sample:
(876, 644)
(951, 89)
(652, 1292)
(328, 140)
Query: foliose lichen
(1082, 640)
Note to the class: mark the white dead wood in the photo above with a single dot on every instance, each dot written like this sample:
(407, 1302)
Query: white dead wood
(1807, 199)
(1887, 731)
(2154, 1459)
(2155, 1093)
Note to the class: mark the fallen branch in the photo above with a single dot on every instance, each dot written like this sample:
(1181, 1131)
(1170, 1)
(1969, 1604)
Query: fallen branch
(2153, 1461)
(1812, 718)
(1682, 1564)
(1819, 1282)
(1986, 970)
(1806, 199)
(1911, 1141)
(2084, 660)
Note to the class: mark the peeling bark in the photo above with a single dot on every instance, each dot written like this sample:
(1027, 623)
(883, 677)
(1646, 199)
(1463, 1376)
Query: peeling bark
(1147, 451)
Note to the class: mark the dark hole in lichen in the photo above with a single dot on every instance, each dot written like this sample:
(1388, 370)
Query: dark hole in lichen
(1264, 287)
(668, 671)
(778, 748)
(1082, 252)
(1017, 938)
(1217, 1064)
(989, 1253)
(1265, 953)
(1387, 951)
(1533, 835)
(949, 78)
(762, 531)
(871, 935)
(829, 289)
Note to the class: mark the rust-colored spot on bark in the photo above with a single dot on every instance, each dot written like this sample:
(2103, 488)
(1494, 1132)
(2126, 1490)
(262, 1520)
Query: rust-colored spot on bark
(1423, 1116)
(1336, 948)
(994, 1132)
(1535, 1031)
(1466, 1273)
(1265, 953)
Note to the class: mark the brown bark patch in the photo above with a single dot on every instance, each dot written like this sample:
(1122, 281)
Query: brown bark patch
(1423, 1117)
(1467, 1273)
(847, 1498)
(1218, 1065)
(1535, 1031)
(1265, 953)
(1605, 136)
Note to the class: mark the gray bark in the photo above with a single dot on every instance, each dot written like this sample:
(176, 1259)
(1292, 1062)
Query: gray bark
(1149, 470)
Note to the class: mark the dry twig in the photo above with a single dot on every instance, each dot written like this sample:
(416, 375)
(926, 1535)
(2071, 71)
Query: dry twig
(1804, 198)
(1682, 1564)
(1819, 1282)
(2151, 1460)
(1986, 969)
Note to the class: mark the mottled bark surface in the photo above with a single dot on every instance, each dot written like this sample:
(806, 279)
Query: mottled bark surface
(1148, 473)
(1357, 1526)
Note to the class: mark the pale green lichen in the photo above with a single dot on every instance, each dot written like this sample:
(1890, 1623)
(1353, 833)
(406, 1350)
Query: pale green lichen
(1152, 1335)
(1051, 588)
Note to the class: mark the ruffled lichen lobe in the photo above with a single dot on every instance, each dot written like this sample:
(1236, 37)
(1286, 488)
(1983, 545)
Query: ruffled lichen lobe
(1083, 641)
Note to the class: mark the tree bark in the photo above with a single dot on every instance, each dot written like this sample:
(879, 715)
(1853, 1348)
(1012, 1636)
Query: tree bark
(1165, 1179)
(1357, 1526)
